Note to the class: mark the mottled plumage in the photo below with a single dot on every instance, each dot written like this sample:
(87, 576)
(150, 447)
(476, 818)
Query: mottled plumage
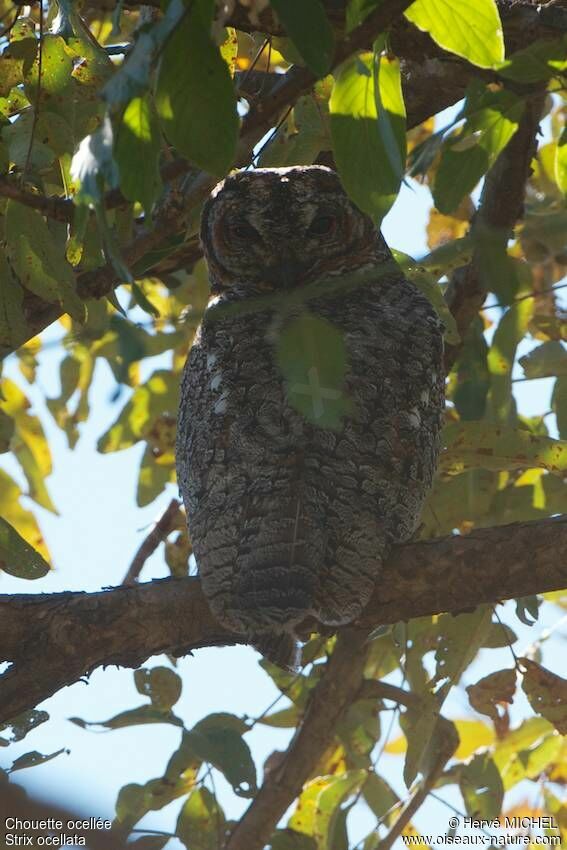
(289, 519)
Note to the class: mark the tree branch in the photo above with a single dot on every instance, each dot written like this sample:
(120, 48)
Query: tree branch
(53, 640)
(501, 205)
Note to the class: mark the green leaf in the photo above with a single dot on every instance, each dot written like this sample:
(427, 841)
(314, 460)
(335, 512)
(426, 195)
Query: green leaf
(511, 330)
(201, 822)
(301, 137)
(318, 805)
(472, 375)
(559, 405)
(195, 95)
(136, 151)
(546, 360)
(17, 557)
(24, 723)
(561, 161)
(157, 396)
(160, 684)
(312, 356)
(13, 326)
(23, 520)
(491, 691)
(547, 693)
(289, 839)
(432, 739)
(287, 718)
(368, 122)
(470, 28)
(540, 61)
(218, 740)
(470, 444)
(491, 120)
(526, 751)
(34, 758)
(39, 265)
(140, 716)
(458, 641)
(379, 795)
(482, 789)
(307, 26)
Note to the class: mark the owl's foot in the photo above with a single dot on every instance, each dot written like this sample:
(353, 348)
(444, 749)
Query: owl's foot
(280, 648)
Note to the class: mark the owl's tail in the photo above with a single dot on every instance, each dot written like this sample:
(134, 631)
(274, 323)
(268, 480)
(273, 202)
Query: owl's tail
(279, 648)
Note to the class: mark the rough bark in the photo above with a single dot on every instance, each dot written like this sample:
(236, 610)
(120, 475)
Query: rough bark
(53, 640)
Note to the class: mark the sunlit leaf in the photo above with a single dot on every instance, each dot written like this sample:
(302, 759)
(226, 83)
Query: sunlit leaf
(368, 131)
(318, 804)
(195, 95)
(23, 520)
(201, 822)
(469, 28)
(473, 735)
(559, 405)
(136, 150)
(561, 161)
(36, 260)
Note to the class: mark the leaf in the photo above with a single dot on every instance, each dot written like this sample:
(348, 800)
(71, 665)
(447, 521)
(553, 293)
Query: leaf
(201, 822)
(470, 444)
(301, 137)
(23, 520)
(34, 758)
(289, 839)
(472, 375)
(559, 405)
(29, 444)
(308, 27)
(35, 258)
(13, 325)
(160, 684)
(17, 557)
(218, 740)
(547, 693)
(149, 401)
(482, 789)
(24, 723)
(540, 61)
(502, 353)
(473, 735)
(491, 118)
(491, 691)
(379, 796)
(561, 161)
(133, 717)
(368, 122)
(538, 748)
(287, 718)
(195, 94)
(432, 739)
(318, 805)
(547, 359)
(470, 28)
(458, 640)
(136, 151)
(311, 354)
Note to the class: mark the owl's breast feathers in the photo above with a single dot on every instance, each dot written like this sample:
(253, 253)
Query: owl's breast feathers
(288, 519)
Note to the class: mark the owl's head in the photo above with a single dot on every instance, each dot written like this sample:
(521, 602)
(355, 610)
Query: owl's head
(279, 228)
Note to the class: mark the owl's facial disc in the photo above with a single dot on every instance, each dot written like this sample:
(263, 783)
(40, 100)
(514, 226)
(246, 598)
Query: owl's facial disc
(279, 228)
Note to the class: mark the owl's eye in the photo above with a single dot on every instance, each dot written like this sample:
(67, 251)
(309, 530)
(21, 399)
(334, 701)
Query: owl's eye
(322, 225)
(244, 230)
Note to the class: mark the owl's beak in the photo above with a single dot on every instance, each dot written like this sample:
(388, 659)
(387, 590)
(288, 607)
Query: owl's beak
(286, 274)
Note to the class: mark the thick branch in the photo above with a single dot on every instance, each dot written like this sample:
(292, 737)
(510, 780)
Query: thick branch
(501, 205)
(55, 639)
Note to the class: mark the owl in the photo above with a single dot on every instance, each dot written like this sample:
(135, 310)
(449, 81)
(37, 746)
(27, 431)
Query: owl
(288, 518)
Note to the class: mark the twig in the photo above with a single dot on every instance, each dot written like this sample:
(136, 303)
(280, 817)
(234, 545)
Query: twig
(159, 532)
